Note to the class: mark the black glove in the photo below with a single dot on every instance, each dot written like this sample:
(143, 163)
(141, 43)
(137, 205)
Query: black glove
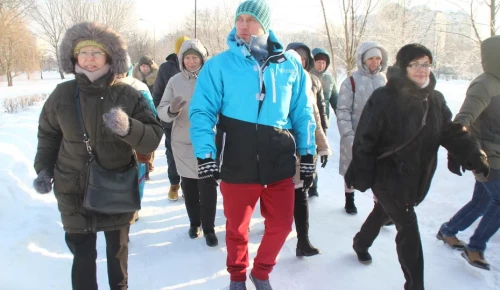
(480, 164)
(307, 168)
(454, 165)
(324, 160)
(43, 182)
(208, 171)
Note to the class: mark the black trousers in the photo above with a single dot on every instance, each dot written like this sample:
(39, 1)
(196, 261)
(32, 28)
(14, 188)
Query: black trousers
(83, 248)
(301, 214)
(408, 243)
(201, 203)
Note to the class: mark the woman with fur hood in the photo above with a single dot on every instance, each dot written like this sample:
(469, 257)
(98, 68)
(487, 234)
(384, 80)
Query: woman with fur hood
(301, 208)
(146, 70)
(200, 197)
(395, 154)
(117, 122)
(371, 60)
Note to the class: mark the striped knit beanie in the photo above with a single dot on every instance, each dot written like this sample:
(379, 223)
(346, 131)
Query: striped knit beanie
(259, 9)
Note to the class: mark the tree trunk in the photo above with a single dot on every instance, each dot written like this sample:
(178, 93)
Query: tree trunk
(9, 79)
(61, 73)
(329, 41)
(492, 18)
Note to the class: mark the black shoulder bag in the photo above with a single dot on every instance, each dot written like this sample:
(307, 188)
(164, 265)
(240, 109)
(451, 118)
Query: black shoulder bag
(388, 153)
(109, 192)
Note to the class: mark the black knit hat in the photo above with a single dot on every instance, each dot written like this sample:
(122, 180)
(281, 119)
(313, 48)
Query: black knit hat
(146, 60)
(411, 52)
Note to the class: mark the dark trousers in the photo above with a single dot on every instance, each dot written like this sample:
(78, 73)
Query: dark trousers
(201, 203)
(408, 244)
(301, 214)
(83, 248)
(173, 177)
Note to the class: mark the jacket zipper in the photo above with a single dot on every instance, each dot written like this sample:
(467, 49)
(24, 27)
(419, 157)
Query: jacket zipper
(273, 80)
(222, 151)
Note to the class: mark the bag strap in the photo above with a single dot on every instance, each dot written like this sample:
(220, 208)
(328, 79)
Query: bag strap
(388, 153)
(353, 85)
(79, 115)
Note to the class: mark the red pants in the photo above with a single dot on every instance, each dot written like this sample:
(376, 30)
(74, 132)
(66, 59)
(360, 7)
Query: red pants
(276, 206)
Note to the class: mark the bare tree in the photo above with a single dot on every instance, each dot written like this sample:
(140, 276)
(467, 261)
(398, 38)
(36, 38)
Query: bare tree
(329, 39)
(51, 20)
(355, 15)
(471, 8)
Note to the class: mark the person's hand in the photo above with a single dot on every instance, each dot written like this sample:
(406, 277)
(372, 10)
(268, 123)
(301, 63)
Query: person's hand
(307, 169)
(454, 165)
(208, 171)
(324, 160)
(481, 165)
(43, 182)
(117, 121)
(177, 104)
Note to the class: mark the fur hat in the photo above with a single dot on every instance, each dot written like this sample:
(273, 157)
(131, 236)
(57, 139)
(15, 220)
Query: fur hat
(259, 9)
(111, 42)
(410, 52)
(179, 42)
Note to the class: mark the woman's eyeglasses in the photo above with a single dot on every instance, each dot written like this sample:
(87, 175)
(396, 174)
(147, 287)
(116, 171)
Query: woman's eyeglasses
(417, 65)
(89, 54)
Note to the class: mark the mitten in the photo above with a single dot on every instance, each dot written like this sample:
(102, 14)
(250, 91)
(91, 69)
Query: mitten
(480, 164)
(43, 182)
(117, 121)
(324, 160)
(307, 169)
(176, 105)
(454, 165)
(208, 171)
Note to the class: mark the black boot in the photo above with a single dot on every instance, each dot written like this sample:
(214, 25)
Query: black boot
(363, 256)
(194, 232)
(313, 192)
(304, 248)
(211, 239)
(350, 207)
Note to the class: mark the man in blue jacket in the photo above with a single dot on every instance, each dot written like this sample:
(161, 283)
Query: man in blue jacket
(256, 94)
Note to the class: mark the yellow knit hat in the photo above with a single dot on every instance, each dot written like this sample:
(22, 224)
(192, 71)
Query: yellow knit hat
(179, 42)
(84, 43)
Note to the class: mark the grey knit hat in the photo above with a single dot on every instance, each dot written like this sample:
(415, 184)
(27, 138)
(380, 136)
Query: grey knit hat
(259, 9)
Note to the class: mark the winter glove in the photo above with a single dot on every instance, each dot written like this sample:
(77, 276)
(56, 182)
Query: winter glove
(208, 171)
(117, 121)
(480, 164)
(349, 178)
(307, 169)
(43, 182)
(324, 160)
(356, 180)
(176, 105)
(454, 165)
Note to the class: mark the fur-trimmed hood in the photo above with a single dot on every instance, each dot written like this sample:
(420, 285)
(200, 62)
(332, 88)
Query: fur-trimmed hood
(110, 40)
(150, 78)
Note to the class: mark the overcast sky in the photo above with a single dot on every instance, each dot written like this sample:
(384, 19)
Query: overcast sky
(168, 15)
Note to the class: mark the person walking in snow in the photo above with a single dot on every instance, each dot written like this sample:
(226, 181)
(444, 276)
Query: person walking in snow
(301, 208)
(321, 65)
(371, 60)
(479, 115)
(118, 122)
(257, 93)
(200, 197)
(395, 154)
(144, 161)
(146, 70)
(167, 70)
(319, 99)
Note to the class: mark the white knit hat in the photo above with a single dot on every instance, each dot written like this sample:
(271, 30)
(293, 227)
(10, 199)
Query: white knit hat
(372, 52)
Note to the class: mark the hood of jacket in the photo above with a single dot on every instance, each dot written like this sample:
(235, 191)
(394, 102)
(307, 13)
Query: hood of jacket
(364, 47)
(200, 48)
(317, 51)
(110, 40)
(274, 46)
(490, 60)
(171, 57)
(297, 45)
(150, 78)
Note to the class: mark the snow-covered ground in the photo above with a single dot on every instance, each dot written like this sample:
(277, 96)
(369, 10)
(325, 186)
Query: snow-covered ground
(162, 256)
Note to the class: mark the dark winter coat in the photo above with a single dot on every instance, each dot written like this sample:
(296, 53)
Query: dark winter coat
(393, 115)
(61, 150)
(167, 70)
(480, 110)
